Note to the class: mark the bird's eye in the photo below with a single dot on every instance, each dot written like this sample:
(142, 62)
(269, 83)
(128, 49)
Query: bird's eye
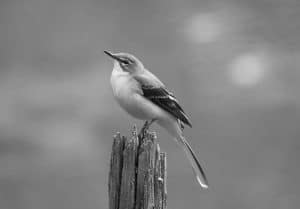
(126, 62)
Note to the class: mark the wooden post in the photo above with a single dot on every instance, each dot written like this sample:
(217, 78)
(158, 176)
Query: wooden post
(137, 176)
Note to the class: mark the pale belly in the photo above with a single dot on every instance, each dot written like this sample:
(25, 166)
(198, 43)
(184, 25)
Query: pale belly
(132, 107)
(127, 92)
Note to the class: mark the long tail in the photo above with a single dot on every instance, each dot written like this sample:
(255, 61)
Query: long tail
(198, 170)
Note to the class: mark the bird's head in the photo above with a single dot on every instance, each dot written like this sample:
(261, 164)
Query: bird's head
(127, 62)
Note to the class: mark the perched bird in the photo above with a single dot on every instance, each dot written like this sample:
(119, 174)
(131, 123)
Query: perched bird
(145, 97)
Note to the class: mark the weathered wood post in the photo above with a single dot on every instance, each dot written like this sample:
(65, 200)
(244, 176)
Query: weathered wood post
(137, 176)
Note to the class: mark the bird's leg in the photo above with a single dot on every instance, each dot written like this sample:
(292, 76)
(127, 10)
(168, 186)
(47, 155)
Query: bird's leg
(147, 125)
(150, 123)
(145, 128)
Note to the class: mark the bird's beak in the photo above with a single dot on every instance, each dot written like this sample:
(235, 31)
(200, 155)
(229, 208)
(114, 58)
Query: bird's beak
(115, 57)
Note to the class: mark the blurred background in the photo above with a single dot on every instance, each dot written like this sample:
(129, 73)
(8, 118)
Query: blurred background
(234, 65)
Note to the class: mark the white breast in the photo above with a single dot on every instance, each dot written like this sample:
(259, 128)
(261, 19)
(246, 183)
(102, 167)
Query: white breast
(128, 93)
(123, 84)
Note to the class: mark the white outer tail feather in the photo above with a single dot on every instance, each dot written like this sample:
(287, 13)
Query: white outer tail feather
(198, 170)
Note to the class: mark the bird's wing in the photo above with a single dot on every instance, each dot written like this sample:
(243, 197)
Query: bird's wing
(154, 90)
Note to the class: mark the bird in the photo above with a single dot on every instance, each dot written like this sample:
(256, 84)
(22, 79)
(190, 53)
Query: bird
(142, 95)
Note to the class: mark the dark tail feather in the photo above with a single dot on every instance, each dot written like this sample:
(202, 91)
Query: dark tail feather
(198, 170)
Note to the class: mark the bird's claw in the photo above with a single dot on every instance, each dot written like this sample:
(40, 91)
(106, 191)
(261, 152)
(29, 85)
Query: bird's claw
(144, 130)
(153, 135)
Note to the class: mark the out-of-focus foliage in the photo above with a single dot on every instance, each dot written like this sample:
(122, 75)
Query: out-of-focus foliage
(234, 66)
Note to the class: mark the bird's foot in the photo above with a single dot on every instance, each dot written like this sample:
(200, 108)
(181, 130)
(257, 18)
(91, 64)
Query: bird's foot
(145, 128)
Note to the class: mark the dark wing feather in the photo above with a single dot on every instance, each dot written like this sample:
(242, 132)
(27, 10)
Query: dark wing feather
(166, 100)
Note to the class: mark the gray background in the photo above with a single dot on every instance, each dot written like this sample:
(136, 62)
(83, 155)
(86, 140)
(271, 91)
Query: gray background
(233, 64)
